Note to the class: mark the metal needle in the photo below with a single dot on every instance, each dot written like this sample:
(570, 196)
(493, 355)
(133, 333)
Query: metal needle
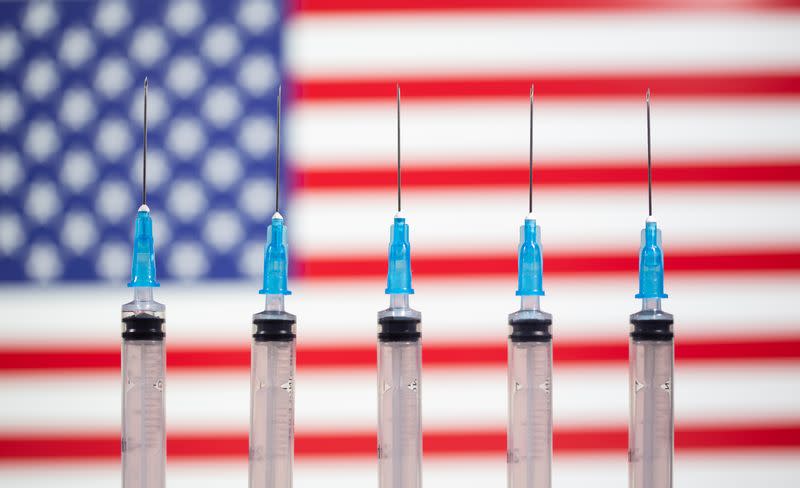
(399, 177)
(649, 160)
(278, 154)
(144, 149)
(530, 160)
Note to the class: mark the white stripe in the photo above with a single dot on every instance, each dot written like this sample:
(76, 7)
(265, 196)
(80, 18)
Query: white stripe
(323, 134)
(453, 399)
(487, 220)
(482, 43)
(776, 469)
(345, 311)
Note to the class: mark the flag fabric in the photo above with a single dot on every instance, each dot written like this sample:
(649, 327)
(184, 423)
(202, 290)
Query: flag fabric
(725, 84)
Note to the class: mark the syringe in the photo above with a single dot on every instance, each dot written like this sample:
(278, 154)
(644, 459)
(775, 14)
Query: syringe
(143, 429)
(272, 365)
(530, 361)
(399, 363)
(650, 441)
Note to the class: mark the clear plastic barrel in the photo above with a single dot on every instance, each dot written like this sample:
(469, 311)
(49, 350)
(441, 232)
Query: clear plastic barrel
(143, 426)
(530, 414)
(651, 424)
(399, 414)
(272, 414)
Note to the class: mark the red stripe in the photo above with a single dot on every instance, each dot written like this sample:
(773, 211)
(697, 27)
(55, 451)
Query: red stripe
(362, 444)
(422, 6)
(557, 264)
(566, 353)
(549, 86)
(548, 174)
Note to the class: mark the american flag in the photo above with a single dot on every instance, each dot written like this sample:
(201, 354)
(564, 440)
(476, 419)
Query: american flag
(725, 78)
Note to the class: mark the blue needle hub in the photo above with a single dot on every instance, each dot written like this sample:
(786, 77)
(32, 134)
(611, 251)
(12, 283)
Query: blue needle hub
(529, 262)
(398, 280)
(276, 259)
(651, 263)
(143, 266)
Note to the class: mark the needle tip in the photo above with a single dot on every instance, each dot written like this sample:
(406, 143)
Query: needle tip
(399, 176)
(144, 143)
(278, 151)
(649, 159)
(530, 160)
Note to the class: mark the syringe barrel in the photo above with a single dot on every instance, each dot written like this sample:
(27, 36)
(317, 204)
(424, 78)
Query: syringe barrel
(651, 429)
(143, 386)
(272, 374)
(399, 406)
(530, 404)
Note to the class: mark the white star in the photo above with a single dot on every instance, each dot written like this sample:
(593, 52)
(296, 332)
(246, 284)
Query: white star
(220, 44)
(256, 15)
(11, 173)
(78, 170)
(162, 230)
(257, 198)
(157, 106)
(41, 78)
(255, 136)
(221, 106)
(222, 230)
(77, 108)
(40, 18)
(77, 46)
(186, 200)
(113, 200)
(43, 262)
(184, 15)
(157, 169)
(79, 232)
(10, 109)
(41, 140)
(185, 75)
(10, 48)
(148, 45)
(222, 168)
(257, 74)
(12, 234)
(112, 16)
(114, 260)
(113, 138)
(251, 259)
(113, 77)
(187, 260)
(185, 137)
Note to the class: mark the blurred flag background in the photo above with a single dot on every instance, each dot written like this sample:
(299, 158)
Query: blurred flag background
(725, 78)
